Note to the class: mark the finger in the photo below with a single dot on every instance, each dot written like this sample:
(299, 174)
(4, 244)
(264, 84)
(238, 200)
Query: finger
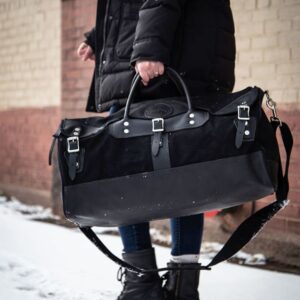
(151, 74)
(84, 55)
(89, 53)
(81, 49)
(156, 71)
(161, 69)
(152, 69)
(145, 77)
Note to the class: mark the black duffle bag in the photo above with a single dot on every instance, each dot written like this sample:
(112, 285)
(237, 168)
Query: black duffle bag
(173, 157)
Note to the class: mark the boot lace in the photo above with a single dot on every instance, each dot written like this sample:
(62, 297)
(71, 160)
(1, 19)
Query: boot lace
(121, 276)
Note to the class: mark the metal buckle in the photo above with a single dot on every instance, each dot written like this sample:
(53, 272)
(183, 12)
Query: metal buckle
(244, 107)
(158, 125)
(272, 105)
(73, 144)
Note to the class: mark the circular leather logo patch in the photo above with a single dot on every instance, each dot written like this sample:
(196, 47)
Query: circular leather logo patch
(158, 110)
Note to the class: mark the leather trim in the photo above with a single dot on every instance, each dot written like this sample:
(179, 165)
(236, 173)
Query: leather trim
(162, 159)
(249, 99)
(139, 127)
(167, 193)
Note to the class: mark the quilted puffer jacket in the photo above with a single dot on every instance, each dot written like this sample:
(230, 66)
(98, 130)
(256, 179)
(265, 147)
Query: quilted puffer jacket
(195, 37)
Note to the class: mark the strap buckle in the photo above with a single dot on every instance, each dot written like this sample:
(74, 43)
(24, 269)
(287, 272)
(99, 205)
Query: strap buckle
(244, 112)
(73, 144)
(158, 125)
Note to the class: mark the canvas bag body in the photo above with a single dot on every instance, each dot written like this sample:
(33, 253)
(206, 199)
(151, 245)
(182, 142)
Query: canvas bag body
(208, 158)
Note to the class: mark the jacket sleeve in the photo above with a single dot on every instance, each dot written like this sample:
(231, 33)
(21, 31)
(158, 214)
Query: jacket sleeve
(90, 38)
(156, 29)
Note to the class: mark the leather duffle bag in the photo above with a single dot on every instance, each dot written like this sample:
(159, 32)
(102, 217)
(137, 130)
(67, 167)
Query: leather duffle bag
(173, 157)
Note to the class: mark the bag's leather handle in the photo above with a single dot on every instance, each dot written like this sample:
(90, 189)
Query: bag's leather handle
(172, 74)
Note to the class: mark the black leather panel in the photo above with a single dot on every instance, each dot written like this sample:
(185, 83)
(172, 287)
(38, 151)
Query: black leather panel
(162, 159)
(247, 99)
(160, 108)
(139, 127)
(137, 198)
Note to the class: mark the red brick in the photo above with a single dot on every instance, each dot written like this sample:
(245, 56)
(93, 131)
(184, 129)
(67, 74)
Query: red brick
(293, 225)
(78, 17)
(277, 223)
(294, 195)
(290, 211)
(294, 180)
(27, 135)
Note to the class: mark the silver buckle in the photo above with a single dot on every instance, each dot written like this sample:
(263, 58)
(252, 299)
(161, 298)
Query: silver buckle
(244, 107)
(73, 144)
(158, 125)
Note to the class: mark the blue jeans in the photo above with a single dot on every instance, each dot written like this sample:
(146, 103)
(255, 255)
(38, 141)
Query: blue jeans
(186, 235)
(186, 232)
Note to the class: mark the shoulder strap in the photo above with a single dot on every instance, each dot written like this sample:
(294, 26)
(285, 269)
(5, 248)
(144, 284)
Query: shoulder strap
(246, 231)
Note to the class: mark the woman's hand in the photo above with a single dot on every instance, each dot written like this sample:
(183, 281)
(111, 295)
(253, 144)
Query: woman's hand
(85, 52)
(149, 70)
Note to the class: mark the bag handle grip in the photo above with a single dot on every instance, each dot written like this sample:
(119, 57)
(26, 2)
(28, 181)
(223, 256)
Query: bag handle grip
(172, 74)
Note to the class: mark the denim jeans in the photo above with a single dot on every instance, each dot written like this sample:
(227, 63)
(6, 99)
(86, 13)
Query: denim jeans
(186, 232)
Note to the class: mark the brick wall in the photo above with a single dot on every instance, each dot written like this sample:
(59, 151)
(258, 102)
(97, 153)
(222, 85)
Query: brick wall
(77, 18)
(30, 92)
(268, 55)
(30, 53)
(268, 44)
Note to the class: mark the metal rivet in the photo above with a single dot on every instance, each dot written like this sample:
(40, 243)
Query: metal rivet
(247, 132)
(77, 129)
(103, 61)
(126, 131)
(246, 123)
(192, 122)
(192, 115)
(126, 123)
(76, 133)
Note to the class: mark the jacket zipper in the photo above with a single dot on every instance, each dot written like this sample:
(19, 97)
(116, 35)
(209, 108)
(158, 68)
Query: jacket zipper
(98, 105)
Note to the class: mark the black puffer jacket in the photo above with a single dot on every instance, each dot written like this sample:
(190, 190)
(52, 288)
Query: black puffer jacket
(195, 37)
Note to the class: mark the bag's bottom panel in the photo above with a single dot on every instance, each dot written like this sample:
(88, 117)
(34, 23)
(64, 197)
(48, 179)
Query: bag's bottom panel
(162, 194)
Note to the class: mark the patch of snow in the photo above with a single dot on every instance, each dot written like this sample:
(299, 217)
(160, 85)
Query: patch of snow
(14, 206)
(210, 249)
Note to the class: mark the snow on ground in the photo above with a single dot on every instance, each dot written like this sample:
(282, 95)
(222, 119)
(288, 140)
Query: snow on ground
(44, 261)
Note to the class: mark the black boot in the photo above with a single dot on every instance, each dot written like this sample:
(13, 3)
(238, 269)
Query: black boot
(145, 287)
(182, 284)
